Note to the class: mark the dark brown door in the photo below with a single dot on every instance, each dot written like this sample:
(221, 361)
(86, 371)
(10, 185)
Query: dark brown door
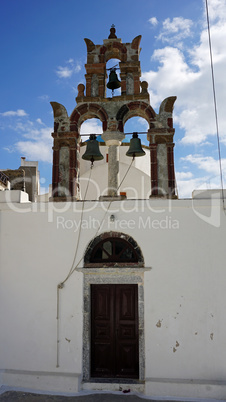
(114, 331)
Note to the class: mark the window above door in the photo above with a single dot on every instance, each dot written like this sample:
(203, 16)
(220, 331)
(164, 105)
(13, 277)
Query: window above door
(113, 249)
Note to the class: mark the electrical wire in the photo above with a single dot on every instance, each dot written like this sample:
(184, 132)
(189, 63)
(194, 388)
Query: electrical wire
(137, 132)
(80, 227)
(61, 285)
(215, 103)
(98, 229)
(73, 268)
(111, 201)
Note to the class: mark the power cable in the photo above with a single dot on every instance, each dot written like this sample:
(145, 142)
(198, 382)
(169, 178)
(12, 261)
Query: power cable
(72, 269)
(61, 285)
(215, 103)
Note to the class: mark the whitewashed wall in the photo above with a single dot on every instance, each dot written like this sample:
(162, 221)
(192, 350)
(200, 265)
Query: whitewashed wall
(134, 184)
(142, 163)
(183, 242)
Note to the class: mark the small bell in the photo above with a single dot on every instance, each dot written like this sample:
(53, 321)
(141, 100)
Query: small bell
(92, 150)
(135, 148)
(113, 82)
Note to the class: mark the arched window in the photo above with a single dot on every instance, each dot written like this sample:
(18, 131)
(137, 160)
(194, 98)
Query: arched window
(113, 249)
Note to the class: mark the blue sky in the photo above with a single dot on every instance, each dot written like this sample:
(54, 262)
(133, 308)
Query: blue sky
(43, 55)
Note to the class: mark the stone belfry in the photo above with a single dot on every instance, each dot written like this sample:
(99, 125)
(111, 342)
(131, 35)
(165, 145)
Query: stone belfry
(113, 112)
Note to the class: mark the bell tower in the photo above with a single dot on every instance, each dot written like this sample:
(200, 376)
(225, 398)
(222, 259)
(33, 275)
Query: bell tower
(113, 48)
(113, 112)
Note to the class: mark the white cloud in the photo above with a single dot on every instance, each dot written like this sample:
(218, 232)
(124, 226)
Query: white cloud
(217, 10)
(35, 141)
(187, 182)
(176, 30)
(185, 186)
(39, 121)
(173, 77)
(143, 122)
(64, 72)
(153, 21)
(35, 150)
(187, 74)
(44, 98)
(91, 126)
(9, 149)
(77, 68)
(68, 71)
(178, 24)
(206, 163)
(184, 175)
(14, 113)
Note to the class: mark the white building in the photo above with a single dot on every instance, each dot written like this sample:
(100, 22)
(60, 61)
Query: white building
(113, 291)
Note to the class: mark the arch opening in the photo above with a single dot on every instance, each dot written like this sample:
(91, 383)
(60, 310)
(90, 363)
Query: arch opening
(112, 62)
(90, 126)
(137, 124)
(113, 249)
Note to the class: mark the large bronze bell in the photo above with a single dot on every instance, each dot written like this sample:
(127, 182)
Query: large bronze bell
(135, 148)
(113, 82)
(92, 150)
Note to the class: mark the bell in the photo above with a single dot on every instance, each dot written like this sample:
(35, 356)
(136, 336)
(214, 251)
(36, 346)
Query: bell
(114, 82)
(92, 150)
(135, 148)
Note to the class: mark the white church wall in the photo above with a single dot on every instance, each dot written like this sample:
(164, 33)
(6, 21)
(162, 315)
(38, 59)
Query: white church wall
(142, 163)
(184, 293)
(183, 308)
(29, 278)
(13, 196)
(135, 184)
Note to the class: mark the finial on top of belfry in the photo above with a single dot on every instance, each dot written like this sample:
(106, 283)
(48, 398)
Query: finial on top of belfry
(112, 32)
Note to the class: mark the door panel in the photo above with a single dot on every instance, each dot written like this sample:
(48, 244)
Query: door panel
(101, 331)
(114, 331)
(127, 331)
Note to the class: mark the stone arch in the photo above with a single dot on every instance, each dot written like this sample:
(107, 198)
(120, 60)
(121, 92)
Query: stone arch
(85, 112)
(127, 243)
(132, 109)
(113, 50)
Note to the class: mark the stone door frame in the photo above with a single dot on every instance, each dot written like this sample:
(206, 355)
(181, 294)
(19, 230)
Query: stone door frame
(111, 276)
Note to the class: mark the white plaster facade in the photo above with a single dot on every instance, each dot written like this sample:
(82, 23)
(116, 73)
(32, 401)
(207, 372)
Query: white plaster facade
(183, 279)
(136, 184)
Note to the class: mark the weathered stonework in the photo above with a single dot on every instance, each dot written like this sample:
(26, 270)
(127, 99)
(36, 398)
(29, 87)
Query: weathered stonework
(113, 113)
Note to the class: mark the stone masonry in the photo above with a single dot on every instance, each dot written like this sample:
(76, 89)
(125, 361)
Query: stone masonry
(113, 113)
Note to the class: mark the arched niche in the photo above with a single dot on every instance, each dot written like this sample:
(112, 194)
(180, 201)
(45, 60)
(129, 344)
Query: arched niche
(137, 124)
(88, 111)
(112, 62)
(135, 109)
(113, 249)
(115, 50)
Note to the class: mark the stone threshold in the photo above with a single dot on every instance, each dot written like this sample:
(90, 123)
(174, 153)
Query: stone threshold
(114, 381)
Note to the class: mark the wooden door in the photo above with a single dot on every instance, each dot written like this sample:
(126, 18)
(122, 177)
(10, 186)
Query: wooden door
(114, 331)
